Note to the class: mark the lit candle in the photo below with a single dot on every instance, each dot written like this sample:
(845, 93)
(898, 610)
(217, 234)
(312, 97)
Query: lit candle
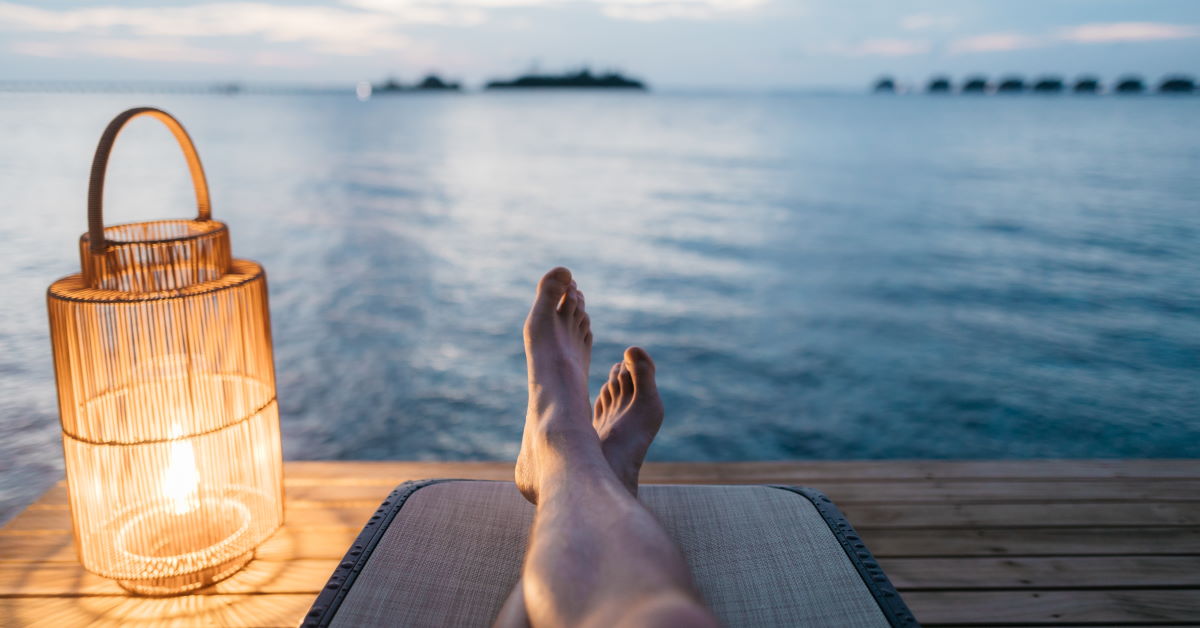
(181, 480)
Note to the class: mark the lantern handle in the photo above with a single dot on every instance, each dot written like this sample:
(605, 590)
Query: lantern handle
(100, 166)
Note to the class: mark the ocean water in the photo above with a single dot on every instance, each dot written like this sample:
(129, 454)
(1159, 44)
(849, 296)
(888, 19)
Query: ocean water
(817, 276)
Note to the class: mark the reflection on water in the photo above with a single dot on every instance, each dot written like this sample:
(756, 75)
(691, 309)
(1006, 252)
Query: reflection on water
(817, 276)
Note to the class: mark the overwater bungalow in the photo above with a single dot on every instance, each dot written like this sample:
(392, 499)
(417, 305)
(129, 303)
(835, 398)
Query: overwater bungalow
(1130, 85)
(939, 85)
(886, 85)
(1048, 85)
(975, 85)
(1086, 85)
(1011, 85)
(1177, 84)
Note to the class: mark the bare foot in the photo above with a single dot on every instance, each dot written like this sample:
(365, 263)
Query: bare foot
(628, 414)
(558, 352)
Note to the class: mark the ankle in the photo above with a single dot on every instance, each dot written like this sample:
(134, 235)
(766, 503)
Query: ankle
(559, 437)
(563, 402)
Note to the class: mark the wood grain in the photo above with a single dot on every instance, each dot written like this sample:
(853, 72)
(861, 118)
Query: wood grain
(1062, 541)
(993, 608)
(1043, 572)
(267, 611)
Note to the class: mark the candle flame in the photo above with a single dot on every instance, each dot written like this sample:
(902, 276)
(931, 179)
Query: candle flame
(181, 480)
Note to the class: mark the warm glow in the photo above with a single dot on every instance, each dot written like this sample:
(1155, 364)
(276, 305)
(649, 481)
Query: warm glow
(181, 480)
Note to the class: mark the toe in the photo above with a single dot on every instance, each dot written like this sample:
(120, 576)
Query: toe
(552, 286)
(613, 374)
(570, 302)
(626, 381)
(639, 363)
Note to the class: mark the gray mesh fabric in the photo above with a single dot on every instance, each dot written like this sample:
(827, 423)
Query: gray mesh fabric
(760, 556)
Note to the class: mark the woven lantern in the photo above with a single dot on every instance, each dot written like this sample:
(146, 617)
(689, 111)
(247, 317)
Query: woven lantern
(166, 390)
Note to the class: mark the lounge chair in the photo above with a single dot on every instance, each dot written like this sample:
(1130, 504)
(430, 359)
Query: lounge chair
(448, 552)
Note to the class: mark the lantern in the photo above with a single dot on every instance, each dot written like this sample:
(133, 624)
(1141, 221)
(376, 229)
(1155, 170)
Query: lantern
(166, 391)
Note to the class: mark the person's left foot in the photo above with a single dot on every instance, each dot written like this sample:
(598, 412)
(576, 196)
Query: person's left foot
(628, 414)
(558, 351)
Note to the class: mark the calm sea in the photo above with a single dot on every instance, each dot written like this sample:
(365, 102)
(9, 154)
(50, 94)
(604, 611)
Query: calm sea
(818, 276)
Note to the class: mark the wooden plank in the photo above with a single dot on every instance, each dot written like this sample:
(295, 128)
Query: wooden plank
(910, 492)
(320, 515)
(1043, 572)
(996, 608)
(867, 516)
(259, 576)
(389, 473)
(789, 472)
(302, 496)
(185, 612)
(1065, 541)
(777, 472)
(59, 546)
(1013, 492)
(286, 544)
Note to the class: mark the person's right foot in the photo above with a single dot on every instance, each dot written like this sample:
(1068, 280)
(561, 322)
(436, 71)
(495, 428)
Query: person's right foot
(628, 414)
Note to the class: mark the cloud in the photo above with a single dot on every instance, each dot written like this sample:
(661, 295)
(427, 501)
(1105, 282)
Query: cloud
(352, 28)
(1098, 33)
(162, 50)
(994, 42)
(656, 10)
(326, 29)
(928, 21)
(882, 48)
(1126, 32)
(407, 6)
(171, 50)
(38, 49)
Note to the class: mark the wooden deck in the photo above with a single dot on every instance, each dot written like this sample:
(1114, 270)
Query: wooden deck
(1028, 543)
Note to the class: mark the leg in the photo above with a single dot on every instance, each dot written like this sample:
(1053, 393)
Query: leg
(596, 555)
(627, 416)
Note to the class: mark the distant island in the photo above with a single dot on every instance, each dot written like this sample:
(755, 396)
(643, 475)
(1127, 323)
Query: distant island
(581, 79)
(431, 82)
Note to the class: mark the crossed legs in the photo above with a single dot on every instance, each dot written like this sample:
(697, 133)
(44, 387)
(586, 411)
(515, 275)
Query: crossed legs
(596, 556)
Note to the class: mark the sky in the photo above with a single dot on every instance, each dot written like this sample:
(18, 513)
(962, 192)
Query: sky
(733, 44)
